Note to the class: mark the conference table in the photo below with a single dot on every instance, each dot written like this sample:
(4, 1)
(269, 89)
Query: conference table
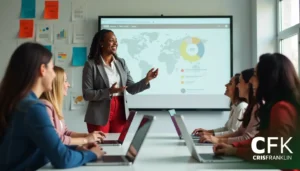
(163, 152)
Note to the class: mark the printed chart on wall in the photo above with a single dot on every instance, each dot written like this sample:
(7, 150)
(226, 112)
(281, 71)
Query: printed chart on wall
(61, 33)
(44, 33)
(77, 101)
(62, 56)
(78, 10)
(79, 33)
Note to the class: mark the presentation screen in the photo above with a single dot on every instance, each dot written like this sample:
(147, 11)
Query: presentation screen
(193, 55)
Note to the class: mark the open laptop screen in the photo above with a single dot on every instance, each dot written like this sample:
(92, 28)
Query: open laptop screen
(139, 138)
(172, 112)
(126, 127)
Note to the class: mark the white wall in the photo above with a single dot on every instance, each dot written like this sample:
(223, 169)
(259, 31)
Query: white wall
(242, 38)
(264, 27)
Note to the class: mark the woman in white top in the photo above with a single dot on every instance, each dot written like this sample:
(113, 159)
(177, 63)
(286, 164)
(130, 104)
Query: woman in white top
(238, 107)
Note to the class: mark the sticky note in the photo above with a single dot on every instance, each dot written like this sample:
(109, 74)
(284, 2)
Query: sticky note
(26, 29)
(28, 9)
(49, 47)
(51, 10)
(79, 56)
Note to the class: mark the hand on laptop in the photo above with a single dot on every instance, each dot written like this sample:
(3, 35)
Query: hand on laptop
(96, 136)
(224, 149)
(198, 131)
(205, 133)
(85, 147)
(94, 147)
(98, 151)
(201, 131)
(209, 138)
(100, 132)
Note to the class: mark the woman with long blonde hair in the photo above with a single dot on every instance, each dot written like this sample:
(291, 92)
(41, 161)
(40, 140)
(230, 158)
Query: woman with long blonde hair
(54, 102)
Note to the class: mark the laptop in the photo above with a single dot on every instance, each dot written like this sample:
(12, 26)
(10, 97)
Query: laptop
(205, 157)
(123, 134)
(133, 150)
(172, 112)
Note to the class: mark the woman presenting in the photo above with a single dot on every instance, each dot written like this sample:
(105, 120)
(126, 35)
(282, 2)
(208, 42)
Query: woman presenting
(104, 79)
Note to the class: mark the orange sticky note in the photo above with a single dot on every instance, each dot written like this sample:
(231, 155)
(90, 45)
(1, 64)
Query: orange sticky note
(26, 29)
(51, 10)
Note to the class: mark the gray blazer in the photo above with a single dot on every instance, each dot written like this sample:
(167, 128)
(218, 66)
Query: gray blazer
(95, 89)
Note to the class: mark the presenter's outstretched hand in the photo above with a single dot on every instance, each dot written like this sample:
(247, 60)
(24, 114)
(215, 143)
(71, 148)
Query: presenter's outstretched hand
(151, 75)
(224, 149)
(114, 89)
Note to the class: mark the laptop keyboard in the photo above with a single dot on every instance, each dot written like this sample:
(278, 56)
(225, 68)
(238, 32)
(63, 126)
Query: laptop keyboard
(109, 142)
(210, 157)
(113, 159)
(195, 137)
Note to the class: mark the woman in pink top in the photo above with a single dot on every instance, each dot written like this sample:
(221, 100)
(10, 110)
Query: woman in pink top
(248, 129)
(54, 101)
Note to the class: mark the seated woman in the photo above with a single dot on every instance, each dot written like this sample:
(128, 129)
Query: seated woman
(277, 89)
(238, 107)
(248, 129)
(54, 101)
(28, 139)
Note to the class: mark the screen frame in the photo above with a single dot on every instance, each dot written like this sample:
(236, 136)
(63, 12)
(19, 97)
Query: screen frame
(230, 17)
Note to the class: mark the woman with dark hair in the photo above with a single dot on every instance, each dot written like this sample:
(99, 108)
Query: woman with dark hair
(248, 128)
(105, 78)
(28, 139)
(238, 107)
(277, 89)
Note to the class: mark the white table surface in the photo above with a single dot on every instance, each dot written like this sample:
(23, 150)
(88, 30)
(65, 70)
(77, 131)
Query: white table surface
(163, 152)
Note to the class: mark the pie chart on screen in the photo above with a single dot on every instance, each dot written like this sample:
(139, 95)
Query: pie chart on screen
(192, 49)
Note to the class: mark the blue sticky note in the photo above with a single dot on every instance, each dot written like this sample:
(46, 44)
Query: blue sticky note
(28, 9)
(79, 56)
(48, 47)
